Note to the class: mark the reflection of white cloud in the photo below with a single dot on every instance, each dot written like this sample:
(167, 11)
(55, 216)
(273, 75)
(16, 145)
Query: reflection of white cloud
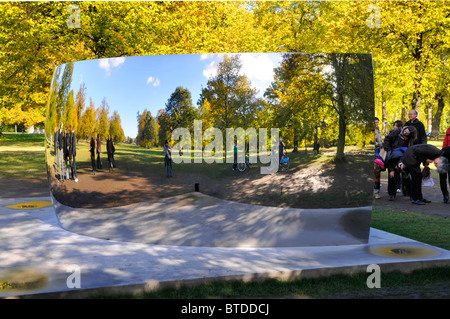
(153, 81)
(210, 70)
(107, 64)
(205, 56)
(259, 68)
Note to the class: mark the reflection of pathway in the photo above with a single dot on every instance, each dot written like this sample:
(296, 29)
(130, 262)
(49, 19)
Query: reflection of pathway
(195, 219)
(315, 185)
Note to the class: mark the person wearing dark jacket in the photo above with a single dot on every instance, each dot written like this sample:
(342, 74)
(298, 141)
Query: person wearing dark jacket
(66, 153)
(73, 153)
(60, 151)
(402, 137)
(411, 161)
(414, 121)
(397, 140)
(444, 171)
(92, 151)
(110, 149)
(99, 150)
(55, 145)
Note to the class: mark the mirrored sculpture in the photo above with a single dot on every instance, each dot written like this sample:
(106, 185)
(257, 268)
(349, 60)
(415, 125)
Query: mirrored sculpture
(282, 134)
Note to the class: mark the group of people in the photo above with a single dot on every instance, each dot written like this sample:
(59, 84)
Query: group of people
(65, 147)
(402, 152)
(96, 148)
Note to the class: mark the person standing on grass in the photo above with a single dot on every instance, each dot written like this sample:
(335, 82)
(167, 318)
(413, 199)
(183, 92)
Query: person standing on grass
(168, 159)
(92, 151)
(73, 153)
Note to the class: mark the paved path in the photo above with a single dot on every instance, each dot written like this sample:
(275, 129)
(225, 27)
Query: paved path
(34, 245)
(436, 207)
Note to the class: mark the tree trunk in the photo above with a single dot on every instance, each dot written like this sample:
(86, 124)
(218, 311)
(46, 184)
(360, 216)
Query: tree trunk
(437, 117)
(339, 68)
(429, 116)
(340, 157)
(404, 110)
(417, 97)
(384, 112)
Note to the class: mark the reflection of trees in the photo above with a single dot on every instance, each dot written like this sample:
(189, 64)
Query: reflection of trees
(63, 108)
(59, 95)
(352, 94)
(297, 99)
(147, 130)
(330, 92)
(179, 112)
(228, 99)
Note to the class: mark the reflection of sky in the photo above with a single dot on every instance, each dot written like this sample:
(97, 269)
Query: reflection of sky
(133, 84)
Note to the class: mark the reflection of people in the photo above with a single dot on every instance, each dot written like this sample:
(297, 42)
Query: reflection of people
(235, 152)
(168, 159)
(414, 121)
(55, 145)
(60, 148)
(99, 150)
(110, 149)
(66, 153)
(281, 149)
(92, 151)
(316, 147)
(411, 160)
(73, 153)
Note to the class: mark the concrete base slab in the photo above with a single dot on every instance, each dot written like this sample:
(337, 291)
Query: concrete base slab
(56, 263)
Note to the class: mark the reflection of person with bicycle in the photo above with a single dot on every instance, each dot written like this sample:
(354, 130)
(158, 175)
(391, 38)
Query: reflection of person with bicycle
(283, 161)
(281, 149)
(235, 151)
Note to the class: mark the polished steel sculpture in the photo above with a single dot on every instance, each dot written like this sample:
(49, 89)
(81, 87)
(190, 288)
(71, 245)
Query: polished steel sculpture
(108, 121)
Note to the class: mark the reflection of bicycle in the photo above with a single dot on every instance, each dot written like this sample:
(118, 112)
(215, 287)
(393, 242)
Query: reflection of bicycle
(243, 166)
(284, 163)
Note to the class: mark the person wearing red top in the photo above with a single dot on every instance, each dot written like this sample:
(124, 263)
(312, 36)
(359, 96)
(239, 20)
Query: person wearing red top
(446, 139)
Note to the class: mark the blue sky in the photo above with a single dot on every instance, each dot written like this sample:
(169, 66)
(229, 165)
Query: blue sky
(132, 84)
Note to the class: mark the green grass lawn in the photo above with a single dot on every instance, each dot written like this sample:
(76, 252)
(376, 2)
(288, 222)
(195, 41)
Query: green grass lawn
(21, 150)
(22, 156)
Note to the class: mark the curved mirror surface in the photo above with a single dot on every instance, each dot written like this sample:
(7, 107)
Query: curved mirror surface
(111, 123)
